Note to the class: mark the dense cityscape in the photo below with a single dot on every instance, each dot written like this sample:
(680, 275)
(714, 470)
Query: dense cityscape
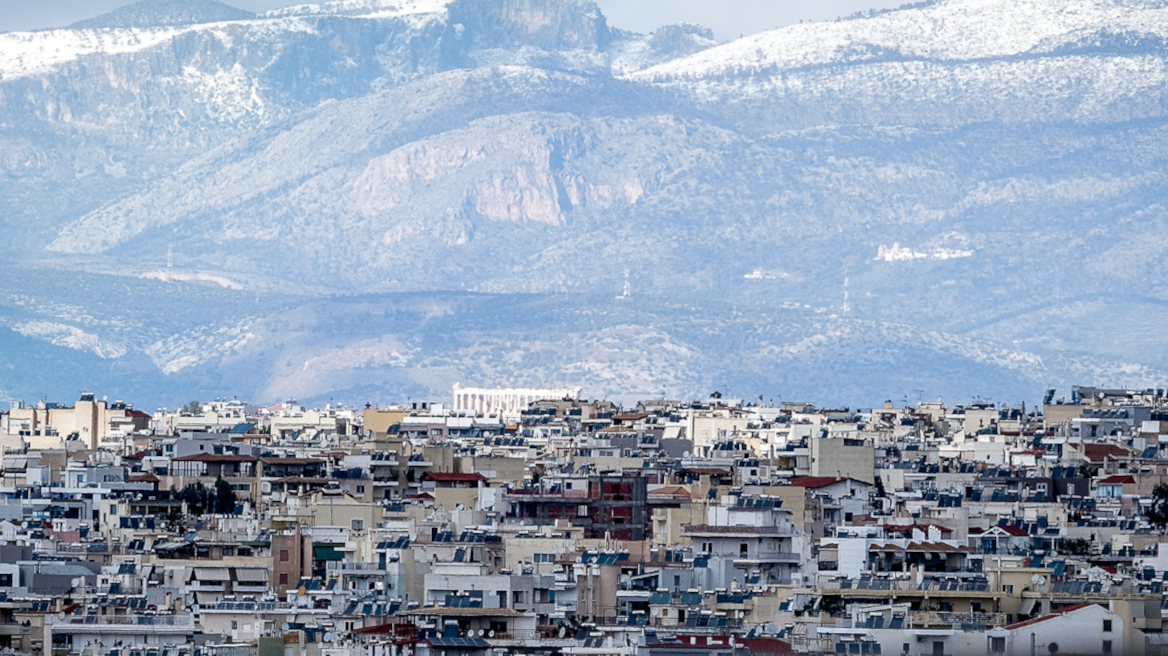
(526, 521)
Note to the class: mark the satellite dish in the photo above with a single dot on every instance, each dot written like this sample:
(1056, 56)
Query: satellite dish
(285, 626)
(301, 590)
(77, 582)
(491, 634)
(771, 627)
(330, 637)
(563, 631)
(482, 633)
(61, 615)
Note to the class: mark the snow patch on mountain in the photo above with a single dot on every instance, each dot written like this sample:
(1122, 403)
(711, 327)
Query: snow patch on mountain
(198, 346)
(72, 337)
(23, 54)
(364, 8)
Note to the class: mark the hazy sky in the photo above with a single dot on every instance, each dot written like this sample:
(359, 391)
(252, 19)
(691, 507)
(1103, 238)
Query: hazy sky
(728, 18)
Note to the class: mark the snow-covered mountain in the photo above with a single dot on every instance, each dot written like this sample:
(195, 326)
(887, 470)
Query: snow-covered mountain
(987, 175)
(946, 63)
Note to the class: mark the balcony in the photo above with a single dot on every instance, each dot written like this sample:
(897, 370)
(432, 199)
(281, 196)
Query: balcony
(14, 629)
(123, 624)
(336, 565)
(770, 557)
(706, 530)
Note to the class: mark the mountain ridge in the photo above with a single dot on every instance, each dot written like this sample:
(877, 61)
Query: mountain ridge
(165, 13)
(981, 210)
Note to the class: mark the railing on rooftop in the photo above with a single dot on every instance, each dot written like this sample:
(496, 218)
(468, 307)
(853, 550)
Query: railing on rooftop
(132, 620)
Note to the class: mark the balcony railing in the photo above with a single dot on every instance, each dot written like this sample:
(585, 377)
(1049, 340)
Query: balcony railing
(132, 620)
(336, 565)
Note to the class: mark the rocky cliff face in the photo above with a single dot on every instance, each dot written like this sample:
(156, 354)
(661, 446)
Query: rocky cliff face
(983, 173)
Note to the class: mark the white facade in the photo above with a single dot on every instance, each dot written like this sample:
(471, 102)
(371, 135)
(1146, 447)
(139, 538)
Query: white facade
(505, 401)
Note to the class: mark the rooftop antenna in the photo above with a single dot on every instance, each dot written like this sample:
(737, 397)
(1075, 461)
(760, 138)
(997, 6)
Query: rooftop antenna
(169, 261)
(628, 291)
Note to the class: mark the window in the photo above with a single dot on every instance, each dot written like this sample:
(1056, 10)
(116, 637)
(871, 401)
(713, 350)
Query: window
(283, 579)
(234, 625)
(360, 489)
(743, 549)
(676, 579)
(1106, 646)
(582, 511)
(1008, 589)
(357, 524)
(1107, 626)
(5, 580)
(283, 556)
(998, 645)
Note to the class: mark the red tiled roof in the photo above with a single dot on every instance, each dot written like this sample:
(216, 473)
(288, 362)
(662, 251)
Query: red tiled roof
(144, 478)
(137, 414)
(1114, 480)
(1097, 452)
(1053, 614)
(814, 482)
(456, 477)
(766, 645)
(630, 416)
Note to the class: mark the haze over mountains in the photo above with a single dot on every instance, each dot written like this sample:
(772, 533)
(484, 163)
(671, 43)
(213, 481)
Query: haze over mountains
(370, 199)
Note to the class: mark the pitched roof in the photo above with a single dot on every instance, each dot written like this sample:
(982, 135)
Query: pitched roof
(1117, 479)
(456, 476)
(1056, 613)
(1097, 452)
(144, 478)
(814, 482)
(672, 490)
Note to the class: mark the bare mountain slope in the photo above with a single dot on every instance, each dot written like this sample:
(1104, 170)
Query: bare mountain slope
(987, 175)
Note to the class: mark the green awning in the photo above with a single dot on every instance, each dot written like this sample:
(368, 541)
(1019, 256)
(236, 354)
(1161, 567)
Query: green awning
(327, 552)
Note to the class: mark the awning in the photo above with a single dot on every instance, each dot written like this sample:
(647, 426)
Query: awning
(460, 643)
(211, 574)
(1027, 607)
(327, 553)
(254, 574)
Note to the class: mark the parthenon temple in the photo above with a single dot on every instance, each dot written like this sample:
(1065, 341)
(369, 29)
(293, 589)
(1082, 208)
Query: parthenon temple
(508, 401)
